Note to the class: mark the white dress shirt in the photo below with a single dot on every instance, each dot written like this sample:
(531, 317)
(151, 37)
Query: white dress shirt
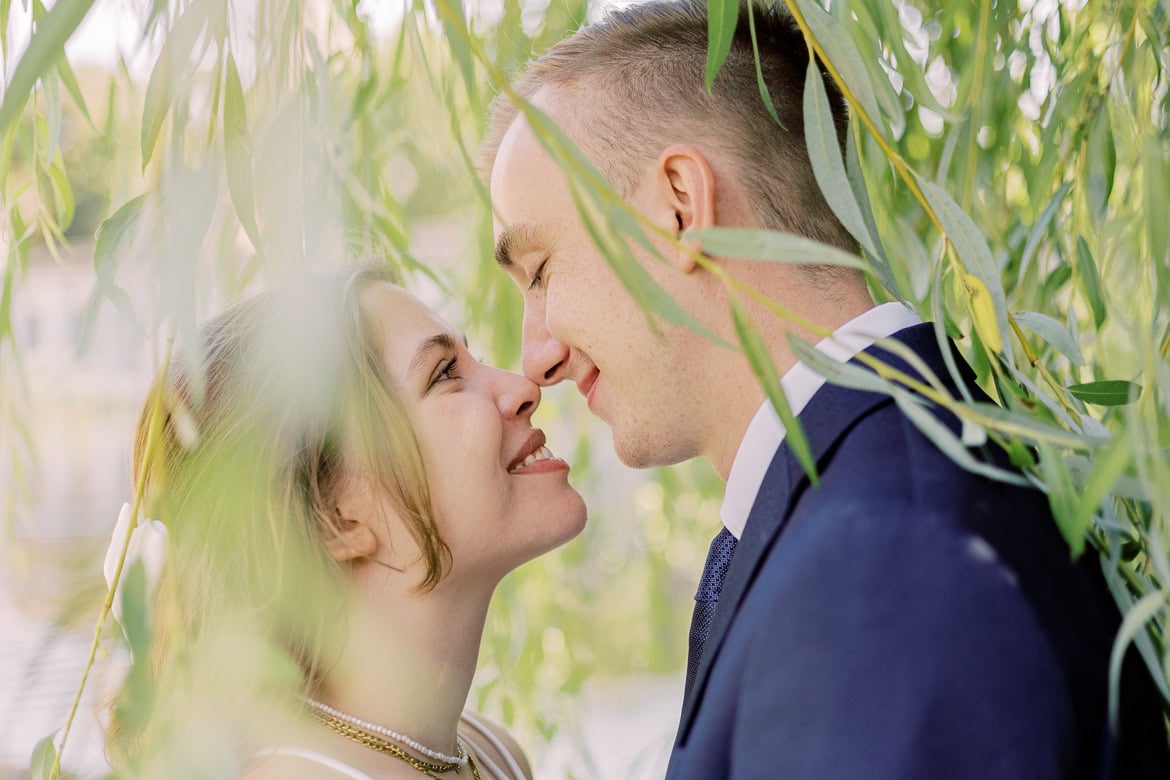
(766, 432)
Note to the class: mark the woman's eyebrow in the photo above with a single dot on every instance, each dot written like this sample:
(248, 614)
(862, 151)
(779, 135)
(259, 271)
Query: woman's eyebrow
(440, 341)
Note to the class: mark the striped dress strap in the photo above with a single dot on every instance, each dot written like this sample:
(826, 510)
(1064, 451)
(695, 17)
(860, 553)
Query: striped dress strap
(514, 772)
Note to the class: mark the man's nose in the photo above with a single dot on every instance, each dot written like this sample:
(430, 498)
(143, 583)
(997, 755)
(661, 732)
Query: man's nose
(544, 358)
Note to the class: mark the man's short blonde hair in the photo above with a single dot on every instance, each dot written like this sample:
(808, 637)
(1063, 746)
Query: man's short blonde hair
(643, 69)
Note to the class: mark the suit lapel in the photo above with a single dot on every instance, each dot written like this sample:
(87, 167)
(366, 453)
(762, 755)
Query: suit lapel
(830, 413)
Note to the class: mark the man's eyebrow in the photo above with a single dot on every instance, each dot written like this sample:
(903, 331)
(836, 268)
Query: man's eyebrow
(513, 239)
(440, 341)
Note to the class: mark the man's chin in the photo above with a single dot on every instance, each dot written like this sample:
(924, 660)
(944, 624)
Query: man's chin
(642, 450)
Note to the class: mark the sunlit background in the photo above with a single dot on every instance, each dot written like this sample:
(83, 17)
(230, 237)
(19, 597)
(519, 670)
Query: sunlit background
(1046, 121)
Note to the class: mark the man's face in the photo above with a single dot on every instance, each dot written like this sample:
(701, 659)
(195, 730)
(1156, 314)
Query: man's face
(580, 324)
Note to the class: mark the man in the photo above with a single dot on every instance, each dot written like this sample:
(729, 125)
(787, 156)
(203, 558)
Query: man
(902, 619)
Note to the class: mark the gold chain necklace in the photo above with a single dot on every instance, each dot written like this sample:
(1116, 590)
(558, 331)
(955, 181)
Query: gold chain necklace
(385, 746)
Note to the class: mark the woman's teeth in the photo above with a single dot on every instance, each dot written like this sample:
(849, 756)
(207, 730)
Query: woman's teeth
(544, 453)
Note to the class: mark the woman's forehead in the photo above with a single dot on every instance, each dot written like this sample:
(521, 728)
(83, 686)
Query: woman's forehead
(404, 322)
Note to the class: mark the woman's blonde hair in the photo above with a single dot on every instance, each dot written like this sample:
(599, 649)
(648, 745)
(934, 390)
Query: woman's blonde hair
(284, 400)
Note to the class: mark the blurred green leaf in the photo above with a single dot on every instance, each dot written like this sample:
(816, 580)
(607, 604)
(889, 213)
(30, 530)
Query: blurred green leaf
(1040, 227)
(1063, 499)
(44, 757)
(111, 237)
(134, 609)
(169, 73)
(1109, 392)
(1132, 624)
(455, 25)
(1156, 193)
(722, 16)
(45, 47)
(765, 369)
(1090, 282)
(237, 146)
(51, 90)
(772, 245)
(1101, 162)
(65, 71)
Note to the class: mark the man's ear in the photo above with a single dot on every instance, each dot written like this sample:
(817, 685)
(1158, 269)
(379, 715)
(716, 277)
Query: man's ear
(688, 185)
(350, 540)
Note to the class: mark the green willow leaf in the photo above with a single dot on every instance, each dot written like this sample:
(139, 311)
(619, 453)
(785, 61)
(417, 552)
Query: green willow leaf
(1030, 429)
(44, 756)
(763, 86)
(1090, 281)
(44, 49)
(1109, 392)
(972, 247)
(237, 152)
(773, 245)
(1053, 333)
(849, 375)
(765, 369)
(945, 439)
(722, 16)
(879, 264)
(824, 152)
(839, 48)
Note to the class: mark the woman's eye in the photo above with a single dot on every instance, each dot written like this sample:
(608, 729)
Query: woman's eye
(447, 371)
(538, 277)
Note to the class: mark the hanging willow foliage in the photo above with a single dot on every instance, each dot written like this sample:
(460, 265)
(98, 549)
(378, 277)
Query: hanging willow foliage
(1007, 175)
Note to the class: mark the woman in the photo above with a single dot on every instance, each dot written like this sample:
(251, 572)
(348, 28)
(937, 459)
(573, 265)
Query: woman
(342, 487)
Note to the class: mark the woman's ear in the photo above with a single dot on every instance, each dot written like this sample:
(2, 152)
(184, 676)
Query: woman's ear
(687, 183)
(350, 540)
(351, 536)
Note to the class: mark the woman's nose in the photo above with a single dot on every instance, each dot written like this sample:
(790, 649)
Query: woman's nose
(519, 396)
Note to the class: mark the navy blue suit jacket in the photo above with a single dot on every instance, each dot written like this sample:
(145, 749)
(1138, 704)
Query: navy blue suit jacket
(908, 619)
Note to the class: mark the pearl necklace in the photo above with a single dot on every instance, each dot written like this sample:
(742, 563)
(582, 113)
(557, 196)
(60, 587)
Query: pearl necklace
(460, 758)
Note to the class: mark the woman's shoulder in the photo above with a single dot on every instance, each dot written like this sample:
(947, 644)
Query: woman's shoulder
(493, 739)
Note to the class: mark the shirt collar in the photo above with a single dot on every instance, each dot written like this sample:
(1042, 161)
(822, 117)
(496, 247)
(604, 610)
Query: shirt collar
(765, 433)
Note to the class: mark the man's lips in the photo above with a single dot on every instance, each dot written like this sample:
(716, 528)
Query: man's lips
(586, 384)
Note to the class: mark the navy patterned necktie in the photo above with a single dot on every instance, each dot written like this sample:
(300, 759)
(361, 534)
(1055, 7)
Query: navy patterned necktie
(706, 599)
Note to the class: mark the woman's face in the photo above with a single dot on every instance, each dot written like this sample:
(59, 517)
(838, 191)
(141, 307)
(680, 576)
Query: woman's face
(500, 497)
